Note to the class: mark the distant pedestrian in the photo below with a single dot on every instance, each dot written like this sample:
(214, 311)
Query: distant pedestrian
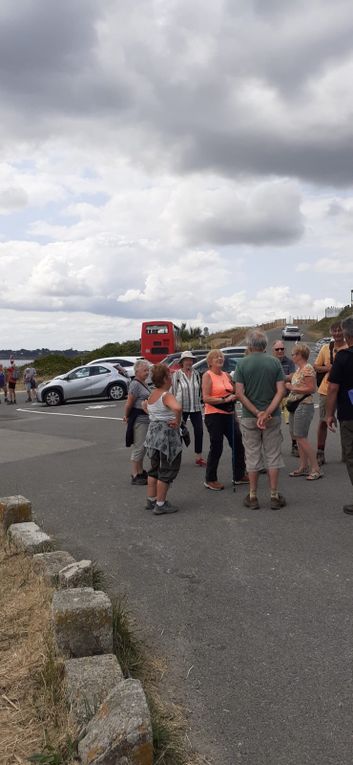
(12, 377)
(340, 392)
(29, 379)
(3, 383)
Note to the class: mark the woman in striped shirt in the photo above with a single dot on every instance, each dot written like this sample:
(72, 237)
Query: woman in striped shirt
(187, 391)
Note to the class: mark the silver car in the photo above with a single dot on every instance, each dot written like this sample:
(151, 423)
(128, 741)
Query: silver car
(89, 381)
(291, 332)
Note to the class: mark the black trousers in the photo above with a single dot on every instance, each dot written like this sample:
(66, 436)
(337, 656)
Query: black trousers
(196, 422)
(218, 426)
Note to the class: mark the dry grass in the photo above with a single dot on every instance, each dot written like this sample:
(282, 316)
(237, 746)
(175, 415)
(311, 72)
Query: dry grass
(33, 715)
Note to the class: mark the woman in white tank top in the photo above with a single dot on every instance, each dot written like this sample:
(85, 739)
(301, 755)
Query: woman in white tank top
(163, 442)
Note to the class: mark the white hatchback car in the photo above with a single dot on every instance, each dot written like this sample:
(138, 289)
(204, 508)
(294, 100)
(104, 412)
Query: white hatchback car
(127, 362)
(88, 381)
(291, 332)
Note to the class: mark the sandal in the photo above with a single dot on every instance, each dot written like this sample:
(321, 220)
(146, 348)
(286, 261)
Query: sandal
(299, 472)
(314, 476)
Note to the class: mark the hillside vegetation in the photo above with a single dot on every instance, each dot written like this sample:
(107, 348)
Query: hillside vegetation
(322, 327)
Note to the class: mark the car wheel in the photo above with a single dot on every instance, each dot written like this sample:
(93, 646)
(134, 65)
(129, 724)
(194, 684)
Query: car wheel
(53, 397)
(116, 392)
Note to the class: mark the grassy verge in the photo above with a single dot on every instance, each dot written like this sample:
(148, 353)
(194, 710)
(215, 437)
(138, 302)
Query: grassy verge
(33, 715)
(35, 725)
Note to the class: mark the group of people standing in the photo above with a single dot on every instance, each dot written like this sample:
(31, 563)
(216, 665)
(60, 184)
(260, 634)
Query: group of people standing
(9, 377)
(263, 384)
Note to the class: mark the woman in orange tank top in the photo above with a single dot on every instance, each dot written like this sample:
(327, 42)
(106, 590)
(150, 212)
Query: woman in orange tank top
(220, 420)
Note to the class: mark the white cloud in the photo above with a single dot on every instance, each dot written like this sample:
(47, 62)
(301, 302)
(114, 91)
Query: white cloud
(190, 161)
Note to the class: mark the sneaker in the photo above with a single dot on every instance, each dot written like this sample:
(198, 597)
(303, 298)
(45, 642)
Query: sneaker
(214, 485)
(166, 508)
(277, 502)
(348, 509)
(201, 462)
(138, 480)
(242, 481)
(320, 456)
(251, 502)
(150, 503)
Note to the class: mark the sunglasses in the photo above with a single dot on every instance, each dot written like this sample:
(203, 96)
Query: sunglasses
(279, 349)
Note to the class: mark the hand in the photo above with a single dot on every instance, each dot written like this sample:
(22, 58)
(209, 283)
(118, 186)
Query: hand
(174, 425)
(331, 423)
(125, 418)
(230, 398)
(288, 385)
(262, 418)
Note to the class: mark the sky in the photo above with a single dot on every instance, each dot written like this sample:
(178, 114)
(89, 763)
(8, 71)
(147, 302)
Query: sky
(171, 159)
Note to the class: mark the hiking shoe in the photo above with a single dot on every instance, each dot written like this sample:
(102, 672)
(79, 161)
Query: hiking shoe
(166, 508)
(277, 502)
(150, 503)
(348, 509)
(214, 485)
(251, 502)
(320, 456)
(138, 480)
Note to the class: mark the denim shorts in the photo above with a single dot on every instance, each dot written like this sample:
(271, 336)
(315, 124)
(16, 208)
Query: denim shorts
(299, 421)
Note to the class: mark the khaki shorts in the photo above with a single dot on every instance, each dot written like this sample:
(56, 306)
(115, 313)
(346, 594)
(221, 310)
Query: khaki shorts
(322, 407)
(262, 446)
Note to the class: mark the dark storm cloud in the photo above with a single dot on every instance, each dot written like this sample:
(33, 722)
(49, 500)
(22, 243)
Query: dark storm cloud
(231, 88)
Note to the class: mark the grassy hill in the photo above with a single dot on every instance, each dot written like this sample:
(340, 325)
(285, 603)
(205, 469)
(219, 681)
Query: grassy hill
(322, 327)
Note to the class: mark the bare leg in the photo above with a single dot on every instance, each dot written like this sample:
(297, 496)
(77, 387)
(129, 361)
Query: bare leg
(321, 435)
(162, 491)
(151, 487)
(273, 474)
(309, 454)
(253, 476)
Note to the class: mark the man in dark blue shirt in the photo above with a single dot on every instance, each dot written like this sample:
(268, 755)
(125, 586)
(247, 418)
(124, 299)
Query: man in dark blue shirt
(288, 367)
(340, 392)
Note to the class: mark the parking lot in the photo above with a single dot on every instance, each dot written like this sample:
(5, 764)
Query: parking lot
(251, 610)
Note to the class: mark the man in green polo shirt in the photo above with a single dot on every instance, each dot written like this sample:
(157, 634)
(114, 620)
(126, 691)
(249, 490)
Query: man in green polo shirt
(260, 388)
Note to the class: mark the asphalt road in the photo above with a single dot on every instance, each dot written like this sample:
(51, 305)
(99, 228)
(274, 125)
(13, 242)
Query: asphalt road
(251, 610)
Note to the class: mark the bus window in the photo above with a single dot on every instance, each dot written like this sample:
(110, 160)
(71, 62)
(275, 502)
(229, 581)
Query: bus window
(159, 339)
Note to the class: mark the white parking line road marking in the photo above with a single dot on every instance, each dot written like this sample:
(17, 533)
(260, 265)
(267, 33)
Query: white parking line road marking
(100, 406)
(69, 414)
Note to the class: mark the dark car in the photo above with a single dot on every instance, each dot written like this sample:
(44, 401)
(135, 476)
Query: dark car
(172, 361)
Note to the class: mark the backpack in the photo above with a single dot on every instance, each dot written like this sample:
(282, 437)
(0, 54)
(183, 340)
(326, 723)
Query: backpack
(320, 375)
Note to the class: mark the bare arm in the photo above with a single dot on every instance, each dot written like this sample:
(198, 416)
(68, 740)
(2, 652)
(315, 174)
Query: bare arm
(129, 404)
(170, 401)
(239, 390)
(331, 402)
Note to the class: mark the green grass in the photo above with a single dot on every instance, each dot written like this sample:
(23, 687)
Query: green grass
(322, 327)
(126, 646)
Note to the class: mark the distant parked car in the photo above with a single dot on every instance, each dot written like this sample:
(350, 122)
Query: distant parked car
(127, 362)
(172, 361)
(234, 350)
(291, 332)
(88, 381)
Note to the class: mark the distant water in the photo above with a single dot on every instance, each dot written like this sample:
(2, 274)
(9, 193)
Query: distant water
(19, 362)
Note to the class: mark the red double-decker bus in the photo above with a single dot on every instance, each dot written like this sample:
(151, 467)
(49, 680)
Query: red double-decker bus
(158, 339)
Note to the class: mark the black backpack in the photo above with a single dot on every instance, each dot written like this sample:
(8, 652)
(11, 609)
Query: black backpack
(320, 375)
